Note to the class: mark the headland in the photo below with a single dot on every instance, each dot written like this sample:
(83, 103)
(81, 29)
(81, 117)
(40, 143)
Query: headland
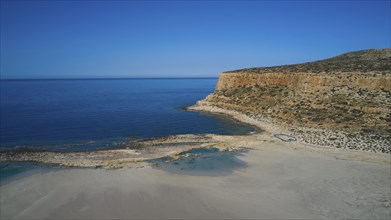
(321, 150)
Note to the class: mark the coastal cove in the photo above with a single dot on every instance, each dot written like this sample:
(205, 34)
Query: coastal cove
(200, 109)
(244, 162)
(92, 114)
(203, 176)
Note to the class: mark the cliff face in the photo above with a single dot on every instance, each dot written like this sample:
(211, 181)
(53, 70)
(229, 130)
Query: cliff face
(350, 93)
(306, 81)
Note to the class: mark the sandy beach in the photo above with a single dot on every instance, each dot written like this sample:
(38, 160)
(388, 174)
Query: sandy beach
(264, 175)
(281, 180)
(195, 109)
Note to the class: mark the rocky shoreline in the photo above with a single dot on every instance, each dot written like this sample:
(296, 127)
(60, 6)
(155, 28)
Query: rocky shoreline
(345, 107)
(141, 153)
(312, 136)
(136, 153)
(341, 102)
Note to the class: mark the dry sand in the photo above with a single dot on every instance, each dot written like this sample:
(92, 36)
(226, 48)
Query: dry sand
(282, 180)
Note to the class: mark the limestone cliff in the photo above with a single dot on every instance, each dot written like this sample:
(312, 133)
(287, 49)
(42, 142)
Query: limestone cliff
(349, 94)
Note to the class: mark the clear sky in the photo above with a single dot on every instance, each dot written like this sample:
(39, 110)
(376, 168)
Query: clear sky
(81, 39)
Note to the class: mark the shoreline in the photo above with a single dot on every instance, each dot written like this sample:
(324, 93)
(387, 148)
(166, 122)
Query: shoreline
(315, 137)
(242, 118)
(134, 154)
(277, 180)
(140, 153)
(281, 180)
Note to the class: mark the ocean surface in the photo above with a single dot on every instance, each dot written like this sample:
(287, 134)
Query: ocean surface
(99, 113)
(87, 114)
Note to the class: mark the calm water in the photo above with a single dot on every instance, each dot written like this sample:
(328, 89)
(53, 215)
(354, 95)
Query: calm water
(88, 114)
(202, 162)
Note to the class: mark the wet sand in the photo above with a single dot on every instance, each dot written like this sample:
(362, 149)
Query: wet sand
(281, 180)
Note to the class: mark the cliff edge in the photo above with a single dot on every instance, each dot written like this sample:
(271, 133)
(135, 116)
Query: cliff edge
(343, 101)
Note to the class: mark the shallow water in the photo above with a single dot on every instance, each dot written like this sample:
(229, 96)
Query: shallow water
(202, 162)
(11, 169)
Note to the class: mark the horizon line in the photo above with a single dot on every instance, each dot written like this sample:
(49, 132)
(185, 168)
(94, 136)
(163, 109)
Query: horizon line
(103, 78)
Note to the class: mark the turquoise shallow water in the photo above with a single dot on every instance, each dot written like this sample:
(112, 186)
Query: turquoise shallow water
(64, 115)
(202, 162)
(8, 171)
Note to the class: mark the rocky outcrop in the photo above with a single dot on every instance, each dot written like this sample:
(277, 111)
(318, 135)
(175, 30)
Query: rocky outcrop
(346, 98)
(136, 153)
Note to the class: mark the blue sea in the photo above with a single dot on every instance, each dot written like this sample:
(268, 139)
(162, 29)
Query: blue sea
(83, 114)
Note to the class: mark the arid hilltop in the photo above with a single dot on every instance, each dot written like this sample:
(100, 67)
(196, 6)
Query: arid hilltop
(344, 101)
(364, 60)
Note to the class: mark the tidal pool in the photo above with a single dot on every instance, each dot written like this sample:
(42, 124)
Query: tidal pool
(202, 162)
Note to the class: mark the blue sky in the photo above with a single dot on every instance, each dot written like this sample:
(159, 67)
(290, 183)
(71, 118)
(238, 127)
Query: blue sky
(81, 39)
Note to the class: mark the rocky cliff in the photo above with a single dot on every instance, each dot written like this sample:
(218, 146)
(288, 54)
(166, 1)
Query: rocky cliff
(344, 101)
